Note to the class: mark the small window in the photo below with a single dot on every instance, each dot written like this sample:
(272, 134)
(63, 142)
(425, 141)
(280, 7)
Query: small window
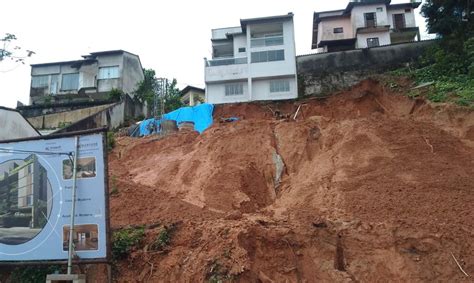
(70, 81)
(39, 81)
(234, 89)
(372, 42)
(242, 49)
(279, 86)
(338, 30)
(408, 10)
(108, 73)
(379, 9)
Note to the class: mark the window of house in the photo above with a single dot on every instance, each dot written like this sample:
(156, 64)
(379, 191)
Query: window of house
(372, 42)
(111, 72)
(53, 89)
(370, 20)
(29, 200)
(279, 86)
(234, 89)
(399, 21)
(39, 81)
(268, 56)
(408, 10)
(70, 81)
(242, 49)
(338, 30)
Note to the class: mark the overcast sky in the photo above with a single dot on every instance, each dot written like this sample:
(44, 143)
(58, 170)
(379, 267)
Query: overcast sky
(171, 37)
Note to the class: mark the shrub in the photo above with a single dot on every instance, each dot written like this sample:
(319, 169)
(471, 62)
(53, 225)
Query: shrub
(123, 241)
(110, 141)
(115, 94)
(34, 274)
(163, 239)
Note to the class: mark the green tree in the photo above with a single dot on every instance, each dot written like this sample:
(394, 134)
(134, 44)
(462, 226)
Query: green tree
(173, 96)
(147, 88)
(14, 53)
(450, 18)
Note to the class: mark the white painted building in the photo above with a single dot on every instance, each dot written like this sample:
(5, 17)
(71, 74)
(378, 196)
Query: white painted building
(254, 61)
(14, 126)
(365, 24)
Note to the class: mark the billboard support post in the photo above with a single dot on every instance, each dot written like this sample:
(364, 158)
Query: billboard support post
(73, 207)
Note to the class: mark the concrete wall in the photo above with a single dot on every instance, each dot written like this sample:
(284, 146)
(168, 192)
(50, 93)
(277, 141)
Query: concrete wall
(261, 89)
(39, 110)
(111, 117)
(215, 93)
(320, 74)
(384, 38)
(326, 29)
(239, 42)
(14, 126)
(57, 120)
(132, 73)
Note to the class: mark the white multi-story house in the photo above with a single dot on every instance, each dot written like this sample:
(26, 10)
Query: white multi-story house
(365, 24)
(254, 61)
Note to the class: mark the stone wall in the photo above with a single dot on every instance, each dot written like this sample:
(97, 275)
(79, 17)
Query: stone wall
(320, 74)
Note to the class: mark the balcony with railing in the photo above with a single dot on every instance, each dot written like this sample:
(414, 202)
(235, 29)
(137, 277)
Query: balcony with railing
(225, 61)
(221, 69)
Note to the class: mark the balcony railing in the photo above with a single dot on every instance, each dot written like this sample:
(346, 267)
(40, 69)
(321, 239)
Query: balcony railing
(226, 61)
(266, 41)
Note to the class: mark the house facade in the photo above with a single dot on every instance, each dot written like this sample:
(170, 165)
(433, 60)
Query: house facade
(365, 24)
(191, 96)
(254, 61)
(90, 78)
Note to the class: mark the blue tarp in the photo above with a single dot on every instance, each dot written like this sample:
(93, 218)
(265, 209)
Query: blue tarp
(201, 115)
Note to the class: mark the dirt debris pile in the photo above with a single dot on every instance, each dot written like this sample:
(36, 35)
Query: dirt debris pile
(367, 185)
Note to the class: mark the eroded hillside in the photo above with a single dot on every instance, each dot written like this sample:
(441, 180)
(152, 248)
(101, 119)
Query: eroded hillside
(375, 187)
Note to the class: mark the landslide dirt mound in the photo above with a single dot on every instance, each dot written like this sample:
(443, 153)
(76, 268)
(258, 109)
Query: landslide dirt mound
(367, 185)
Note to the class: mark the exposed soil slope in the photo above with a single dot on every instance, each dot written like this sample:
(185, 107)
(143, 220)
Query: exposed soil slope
(376, 187)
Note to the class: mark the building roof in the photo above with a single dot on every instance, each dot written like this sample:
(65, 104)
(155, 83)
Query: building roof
(245, 22)
(190, 88)
(413, 5)
(87, 58)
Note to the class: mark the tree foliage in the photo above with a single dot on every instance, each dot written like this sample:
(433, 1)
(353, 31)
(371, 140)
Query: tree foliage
(150, 85)
(450, 18)
(14, 53)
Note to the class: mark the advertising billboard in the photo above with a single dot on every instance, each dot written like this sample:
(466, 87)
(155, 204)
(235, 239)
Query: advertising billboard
(36, 180)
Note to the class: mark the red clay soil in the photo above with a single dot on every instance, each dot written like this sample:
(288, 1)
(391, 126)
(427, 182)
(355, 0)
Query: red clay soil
(376, 187)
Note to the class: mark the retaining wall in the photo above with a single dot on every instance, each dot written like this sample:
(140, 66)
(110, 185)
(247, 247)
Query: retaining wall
(319, 74)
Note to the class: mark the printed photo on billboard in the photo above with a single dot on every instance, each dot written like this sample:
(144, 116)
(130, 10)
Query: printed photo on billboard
(85, 168)
(85, 237)
(25, 199)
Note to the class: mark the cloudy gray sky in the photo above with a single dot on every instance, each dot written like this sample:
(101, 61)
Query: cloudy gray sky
(171, 37)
